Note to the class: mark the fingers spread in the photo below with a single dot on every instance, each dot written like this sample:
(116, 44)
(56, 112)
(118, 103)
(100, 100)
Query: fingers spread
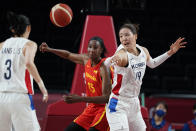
(183, 43)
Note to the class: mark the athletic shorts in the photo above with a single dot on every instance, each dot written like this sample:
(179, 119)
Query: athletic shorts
(93, 116)
(123, 114)
(17, 110)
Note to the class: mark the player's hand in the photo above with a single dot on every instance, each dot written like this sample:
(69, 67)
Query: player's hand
(43, 47)
(45, 98)
(179, 43)
(115, 60)
(73, 98)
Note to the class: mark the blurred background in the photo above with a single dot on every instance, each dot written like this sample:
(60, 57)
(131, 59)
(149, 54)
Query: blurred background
(161, 23)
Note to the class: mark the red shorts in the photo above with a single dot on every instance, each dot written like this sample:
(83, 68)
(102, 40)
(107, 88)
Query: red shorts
(93, 116)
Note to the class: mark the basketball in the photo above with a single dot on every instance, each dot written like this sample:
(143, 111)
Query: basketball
(61, 15)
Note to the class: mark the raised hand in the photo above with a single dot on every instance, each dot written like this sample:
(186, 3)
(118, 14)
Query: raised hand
(179, 43)
(116, 60)
(45, 98)
(43, 47)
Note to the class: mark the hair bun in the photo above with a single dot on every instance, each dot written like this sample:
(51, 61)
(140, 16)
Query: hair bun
(12, 18)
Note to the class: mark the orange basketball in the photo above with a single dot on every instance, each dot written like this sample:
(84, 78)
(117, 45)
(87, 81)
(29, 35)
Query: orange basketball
(61, 15)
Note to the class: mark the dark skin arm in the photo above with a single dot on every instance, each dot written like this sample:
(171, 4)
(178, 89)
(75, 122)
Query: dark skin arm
(76, 58)
(106, 90)
(82, 59)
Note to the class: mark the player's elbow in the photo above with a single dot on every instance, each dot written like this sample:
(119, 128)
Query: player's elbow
(151, 63)
(29, 64)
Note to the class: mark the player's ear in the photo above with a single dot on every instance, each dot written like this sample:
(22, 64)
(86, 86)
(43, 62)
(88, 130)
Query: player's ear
(28, 28)
(135, 36)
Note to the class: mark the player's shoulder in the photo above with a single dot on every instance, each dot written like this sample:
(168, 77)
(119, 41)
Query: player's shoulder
(121, 51)
(31, 43)
(144, 48)
(1, 44)
(85, 58)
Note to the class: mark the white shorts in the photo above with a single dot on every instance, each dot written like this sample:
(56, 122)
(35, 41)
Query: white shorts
(17, 109)
(124, 114)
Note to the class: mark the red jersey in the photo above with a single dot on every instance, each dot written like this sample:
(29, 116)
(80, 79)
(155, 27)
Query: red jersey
(94, 114)
(93, 79)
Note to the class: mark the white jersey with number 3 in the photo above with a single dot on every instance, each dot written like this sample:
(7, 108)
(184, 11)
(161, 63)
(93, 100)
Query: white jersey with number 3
(127, 80)
(14, 76)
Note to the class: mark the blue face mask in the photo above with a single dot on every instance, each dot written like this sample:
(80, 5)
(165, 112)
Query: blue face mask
(160, 113)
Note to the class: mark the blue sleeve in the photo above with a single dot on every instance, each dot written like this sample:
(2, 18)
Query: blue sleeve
(186, 127)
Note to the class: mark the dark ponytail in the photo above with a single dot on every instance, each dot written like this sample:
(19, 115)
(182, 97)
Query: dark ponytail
(17, 23)
(133, 27)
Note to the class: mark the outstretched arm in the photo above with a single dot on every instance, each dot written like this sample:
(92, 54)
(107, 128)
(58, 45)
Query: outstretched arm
(152, 63)
(106, 90)
(120, 58)
(76, 58)
(29, 52)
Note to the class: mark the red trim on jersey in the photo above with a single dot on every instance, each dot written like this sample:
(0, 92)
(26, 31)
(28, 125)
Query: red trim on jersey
(118, 85)
(112, 73)
(28, 82)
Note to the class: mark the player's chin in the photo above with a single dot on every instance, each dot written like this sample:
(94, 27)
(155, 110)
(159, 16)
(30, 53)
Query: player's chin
(92, 56)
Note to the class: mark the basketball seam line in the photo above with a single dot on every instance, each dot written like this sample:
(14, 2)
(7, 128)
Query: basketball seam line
(61, 9)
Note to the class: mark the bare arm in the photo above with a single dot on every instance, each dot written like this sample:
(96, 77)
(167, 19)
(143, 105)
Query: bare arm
(1, 45)
(29, 52)
(106, 90)
(76, 58)
(120, 58)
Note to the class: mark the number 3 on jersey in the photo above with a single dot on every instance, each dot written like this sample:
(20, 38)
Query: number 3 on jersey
(7, 74)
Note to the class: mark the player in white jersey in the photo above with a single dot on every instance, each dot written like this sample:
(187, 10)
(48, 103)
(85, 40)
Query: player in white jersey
(16, 83)
(129, 64)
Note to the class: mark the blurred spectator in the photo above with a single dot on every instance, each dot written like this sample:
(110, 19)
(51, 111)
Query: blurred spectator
(158, 123)
(191, 125)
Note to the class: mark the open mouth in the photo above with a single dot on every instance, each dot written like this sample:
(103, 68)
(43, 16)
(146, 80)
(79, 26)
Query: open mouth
(126, 44)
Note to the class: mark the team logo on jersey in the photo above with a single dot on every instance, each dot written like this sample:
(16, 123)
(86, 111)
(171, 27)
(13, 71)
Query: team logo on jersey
(138, 65)
(90, 76)
(95, 71)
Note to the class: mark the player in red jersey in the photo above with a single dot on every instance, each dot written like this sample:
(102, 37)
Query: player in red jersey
(98, 86)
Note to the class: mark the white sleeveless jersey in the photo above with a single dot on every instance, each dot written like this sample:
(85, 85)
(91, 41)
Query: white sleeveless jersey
(127, 80)
(14, 76)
